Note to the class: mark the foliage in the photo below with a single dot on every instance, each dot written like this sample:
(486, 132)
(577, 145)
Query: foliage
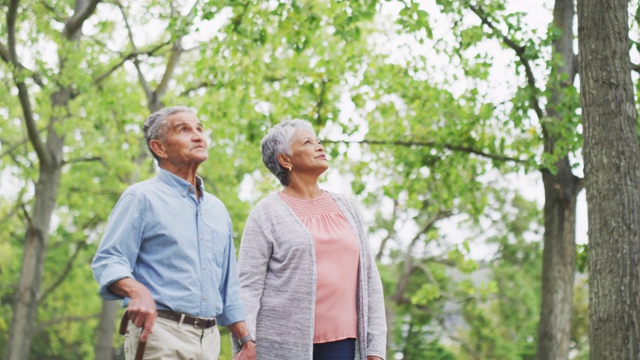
(415, 134)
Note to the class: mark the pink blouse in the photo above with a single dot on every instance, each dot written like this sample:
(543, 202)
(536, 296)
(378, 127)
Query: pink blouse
(337, 258)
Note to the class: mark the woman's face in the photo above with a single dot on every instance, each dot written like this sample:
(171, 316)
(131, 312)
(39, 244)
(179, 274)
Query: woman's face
(307, 153)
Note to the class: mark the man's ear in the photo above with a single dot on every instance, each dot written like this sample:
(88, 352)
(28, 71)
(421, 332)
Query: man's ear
(157, 147)
(284, 161)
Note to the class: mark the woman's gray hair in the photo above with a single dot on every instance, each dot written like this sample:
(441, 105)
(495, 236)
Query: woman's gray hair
(278, 141)
(154, 127)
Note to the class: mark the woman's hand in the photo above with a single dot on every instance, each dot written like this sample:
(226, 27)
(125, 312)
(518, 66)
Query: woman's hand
(248, 352)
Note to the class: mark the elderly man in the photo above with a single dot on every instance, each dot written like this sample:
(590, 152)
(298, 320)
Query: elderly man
(168, 253)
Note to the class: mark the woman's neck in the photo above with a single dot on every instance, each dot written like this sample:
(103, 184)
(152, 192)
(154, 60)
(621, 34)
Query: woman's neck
(311, 191)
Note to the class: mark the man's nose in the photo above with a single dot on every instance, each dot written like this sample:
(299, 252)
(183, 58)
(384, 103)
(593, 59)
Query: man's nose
(198, 136)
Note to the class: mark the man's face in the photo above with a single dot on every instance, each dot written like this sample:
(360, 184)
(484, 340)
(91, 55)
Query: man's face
(184, 143)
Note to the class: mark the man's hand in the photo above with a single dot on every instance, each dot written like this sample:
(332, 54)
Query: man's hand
(142, 309)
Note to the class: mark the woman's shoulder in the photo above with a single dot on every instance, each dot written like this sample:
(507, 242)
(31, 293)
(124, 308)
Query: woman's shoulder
(269, 204)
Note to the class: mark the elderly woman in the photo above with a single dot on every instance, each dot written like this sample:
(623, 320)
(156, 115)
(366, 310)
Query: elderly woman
(310, 285)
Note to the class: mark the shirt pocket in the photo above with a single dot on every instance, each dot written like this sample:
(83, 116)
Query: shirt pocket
(219, 241)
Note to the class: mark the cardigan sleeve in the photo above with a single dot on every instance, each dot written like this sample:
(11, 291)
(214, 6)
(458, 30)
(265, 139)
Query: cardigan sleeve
(376, 321)
(255, 252)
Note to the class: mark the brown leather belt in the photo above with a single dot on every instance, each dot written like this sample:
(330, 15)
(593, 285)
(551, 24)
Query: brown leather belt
(200, 323)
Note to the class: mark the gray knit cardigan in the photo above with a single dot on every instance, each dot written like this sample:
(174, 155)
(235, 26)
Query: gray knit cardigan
(277, 266)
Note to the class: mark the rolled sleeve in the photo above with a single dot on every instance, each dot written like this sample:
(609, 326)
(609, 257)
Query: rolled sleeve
(233, 307)
(119, 247)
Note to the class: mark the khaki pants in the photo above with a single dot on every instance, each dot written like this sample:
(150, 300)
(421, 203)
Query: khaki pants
(171, 340)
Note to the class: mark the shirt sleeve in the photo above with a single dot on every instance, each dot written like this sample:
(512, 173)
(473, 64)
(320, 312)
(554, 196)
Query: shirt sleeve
(120, 245)
(233, 308)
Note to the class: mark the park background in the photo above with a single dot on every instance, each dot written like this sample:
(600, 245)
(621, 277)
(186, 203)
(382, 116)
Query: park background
(455, 124)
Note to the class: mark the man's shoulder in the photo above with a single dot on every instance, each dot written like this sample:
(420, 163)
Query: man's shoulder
(143, 188)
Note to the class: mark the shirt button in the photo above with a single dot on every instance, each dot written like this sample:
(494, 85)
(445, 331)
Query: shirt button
(204, 298)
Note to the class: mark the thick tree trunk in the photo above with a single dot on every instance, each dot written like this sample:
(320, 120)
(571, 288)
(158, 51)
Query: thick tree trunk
(25, 307)
(561, 191)
(612, 167)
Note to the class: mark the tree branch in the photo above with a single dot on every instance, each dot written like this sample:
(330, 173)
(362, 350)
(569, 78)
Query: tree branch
(67, 269)
(4, 55)
(237, 20)
(520, 53)
(409, 266)
(172, 63)
(433, 144)
(130, 56)
(136, 62)
(83, 9)
(23, 91)
(89, 159)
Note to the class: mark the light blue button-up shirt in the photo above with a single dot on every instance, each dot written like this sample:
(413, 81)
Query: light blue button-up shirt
(180, 249)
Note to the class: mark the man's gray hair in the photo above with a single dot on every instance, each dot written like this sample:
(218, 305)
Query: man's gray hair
(278, 141)
(154, 127)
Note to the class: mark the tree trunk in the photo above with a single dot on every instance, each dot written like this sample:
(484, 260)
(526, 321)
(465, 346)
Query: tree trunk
(612, 166)
(25, 307)
(561, 191)
(106, 330)
(558, 264)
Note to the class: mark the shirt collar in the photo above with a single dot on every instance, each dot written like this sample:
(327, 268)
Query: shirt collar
(178, 183)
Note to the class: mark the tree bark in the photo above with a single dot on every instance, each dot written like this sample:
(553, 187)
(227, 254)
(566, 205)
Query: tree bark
(561, 191)
(25, 307)
(106, 330)
(612, 165)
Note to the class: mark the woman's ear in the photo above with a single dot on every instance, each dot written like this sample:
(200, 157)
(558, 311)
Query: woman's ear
(284, 161)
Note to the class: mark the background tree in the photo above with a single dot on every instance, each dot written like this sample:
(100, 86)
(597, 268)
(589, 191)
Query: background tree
(543, 109)
(59, 91)
(612, 165)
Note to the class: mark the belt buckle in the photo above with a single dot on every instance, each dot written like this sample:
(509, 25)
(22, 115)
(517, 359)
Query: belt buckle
(195, 323)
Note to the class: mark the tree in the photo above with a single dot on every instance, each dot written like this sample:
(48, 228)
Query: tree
(50, 155)
(612, 165)
(548, 113)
